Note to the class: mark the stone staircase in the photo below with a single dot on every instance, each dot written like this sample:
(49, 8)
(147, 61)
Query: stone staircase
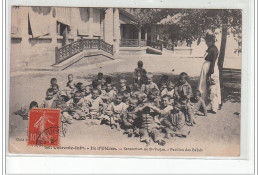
(80, 53)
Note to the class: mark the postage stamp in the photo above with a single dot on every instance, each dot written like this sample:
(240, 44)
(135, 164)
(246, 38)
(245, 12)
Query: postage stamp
(44, 127)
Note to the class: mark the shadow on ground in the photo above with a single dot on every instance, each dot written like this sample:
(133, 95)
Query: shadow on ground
(231, 78)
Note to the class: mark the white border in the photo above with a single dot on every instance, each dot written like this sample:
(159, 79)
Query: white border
(17, 165)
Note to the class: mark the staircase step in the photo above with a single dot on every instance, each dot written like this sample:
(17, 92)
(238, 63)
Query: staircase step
(74, 59)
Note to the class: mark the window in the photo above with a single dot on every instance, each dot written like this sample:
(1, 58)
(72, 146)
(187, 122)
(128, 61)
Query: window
(61, 28)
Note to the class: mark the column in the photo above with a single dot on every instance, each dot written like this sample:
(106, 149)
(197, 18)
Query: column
(139, 35)
(90, 22)
(116, 31)
(108, 26)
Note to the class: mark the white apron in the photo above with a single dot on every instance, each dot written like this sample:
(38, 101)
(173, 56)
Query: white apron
(202, 85)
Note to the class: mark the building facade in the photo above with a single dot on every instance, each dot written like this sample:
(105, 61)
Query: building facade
(36, 31)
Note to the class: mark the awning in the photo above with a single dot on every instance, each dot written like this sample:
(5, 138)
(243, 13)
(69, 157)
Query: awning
(125, 19)
(96, 22)
(40, 23)
(82, 25)
(63, 15)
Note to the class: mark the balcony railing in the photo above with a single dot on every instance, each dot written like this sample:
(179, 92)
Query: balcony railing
(132, 43)
(135, 43)
(65, 52)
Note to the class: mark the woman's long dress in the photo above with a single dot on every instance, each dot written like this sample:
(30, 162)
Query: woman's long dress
(202, 84)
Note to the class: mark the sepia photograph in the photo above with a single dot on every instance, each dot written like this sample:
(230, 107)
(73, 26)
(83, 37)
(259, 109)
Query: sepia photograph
(125, 81)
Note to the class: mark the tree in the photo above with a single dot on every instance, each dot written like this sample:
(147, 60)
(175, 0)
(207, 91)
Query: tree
(194, 24)
(149, 16)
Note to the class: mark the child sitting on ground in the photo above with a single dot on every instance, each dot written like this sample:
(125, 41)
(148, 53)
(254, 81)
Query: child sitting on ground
(94, 103)
(197, 103)
(61, 103)
(81, 88)
(149, 85)
(88, 90)
(66, 119)
(115, 112)
(130, 116)
(139, 73)
(71, 86)
(123, 87)
(149, 127)
(178, 120)
(76, 107)
(71, 82)
(56, 91)
(163, 82)
(24, 111)
(134, 90)
(49, 101)
(169, 90)
(165, 120)
(110, 94)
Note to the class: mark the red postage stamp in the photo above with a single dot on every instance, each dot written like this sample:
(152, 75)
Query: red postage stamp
(44, 127)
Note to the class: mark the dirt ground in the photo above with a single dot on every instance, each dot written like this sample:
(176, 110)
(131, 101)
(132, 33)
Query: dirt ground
(214, 135)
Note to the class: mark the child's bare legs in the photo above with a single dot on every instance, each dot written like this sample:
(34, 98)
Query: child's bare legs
(214, 105)
(168, 128)
(129, 131)
(66, 118)
(180, 126)
(128, 128)
(144, 136)
(95, 118)
(136, 132)
(190, 115)
(79, 115)
(115, 121)
(105, 119)
(157, 137)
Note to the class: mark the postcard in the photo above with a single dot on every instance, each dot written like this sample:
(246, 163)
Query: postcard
(125, 81)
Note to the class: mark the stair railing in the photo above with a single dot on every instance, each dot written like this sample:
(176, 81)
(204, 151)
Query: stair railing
(66, 52)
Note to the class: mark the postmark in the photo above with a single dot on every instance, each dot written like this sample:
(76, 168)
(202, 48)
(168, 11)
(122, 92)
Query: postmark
(44, 127)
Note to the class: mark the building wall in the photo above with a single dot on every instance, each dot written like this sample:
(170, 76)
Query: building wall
(38, 47)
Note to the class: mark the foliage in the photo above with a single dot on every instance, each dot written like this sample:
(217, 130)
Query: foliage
(193, 24)
(149, 16)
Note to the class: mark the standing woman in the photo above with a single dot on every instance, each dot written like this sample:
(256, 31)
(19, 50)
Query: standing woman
(209, 69)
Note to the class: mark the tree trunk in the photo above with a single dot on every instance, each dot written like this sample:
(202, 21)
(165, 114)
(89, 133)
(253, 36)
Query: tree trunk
(222, 56)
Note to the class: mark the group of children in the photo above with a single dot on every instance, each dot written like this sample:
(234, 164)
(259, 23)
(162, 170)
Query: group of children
(141, 109)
